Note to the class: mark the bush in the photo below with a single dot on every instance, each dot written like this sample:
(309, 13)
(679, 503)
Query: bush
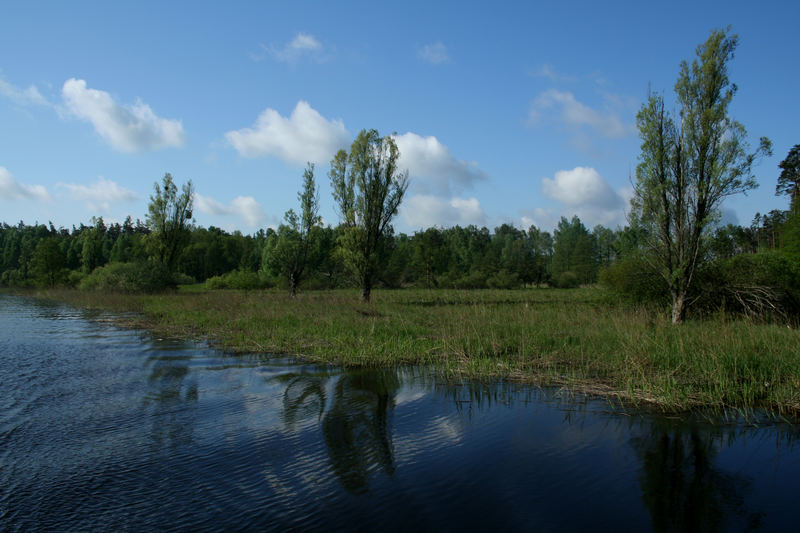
(503, 280)
(634, 279)
(762, 285)
(13, 278)
(474, 280)
(566, 280)
(128, 277)
(179, 278)
(75, 277)
(241, 280)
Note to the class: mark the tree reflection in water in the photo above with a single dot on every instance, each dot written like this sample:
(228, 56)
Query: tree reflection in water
(172, 426)
(682, 485)
(355, 419)
(356, 427)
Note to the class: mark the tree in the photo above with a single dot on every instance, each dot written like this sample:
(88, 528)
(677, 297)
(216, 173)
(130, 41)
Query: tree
(289, 252)
(789, 180)
(368, 188)
(686, 170)
(48, 261)
(574, 250)
(169, 218)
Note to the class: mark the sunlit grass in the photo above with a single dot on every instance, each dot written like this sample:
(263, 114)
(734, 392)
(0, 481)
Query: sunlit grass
(579, 339)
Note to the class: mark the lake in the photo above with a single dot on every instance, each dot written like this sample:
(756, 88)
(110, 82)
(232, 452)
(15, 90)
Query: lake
(103, 428)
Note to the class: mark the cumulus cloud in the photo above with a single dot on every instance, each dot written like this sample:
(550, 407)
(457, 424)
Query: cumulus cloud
(24, 97)
(11, 189)
(585, 193)
(304, 136)
(422, 211)
(128, 128)
(302, 45)
(574, 114)
(433, 168)
(434, 53)
(99, 195)
(246, 207)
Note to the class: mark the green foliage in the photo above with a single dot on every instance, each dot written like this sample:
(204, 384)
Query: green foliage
(290, 252)
(169, 218)
(634, 279)
(368, 188)
(47, 263)
(148, 276)
(240, 280)
(765, 285)
(789, 179)
(574, 251)
(503, 279)
(566, 280)
(685, 172)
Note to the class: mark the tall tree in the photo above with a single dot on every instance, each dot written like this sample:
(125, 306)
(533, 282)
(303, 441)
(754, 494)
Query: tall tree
(789, 180)
(290, 251)
(169, 218)
(368, 188)
(686, 170)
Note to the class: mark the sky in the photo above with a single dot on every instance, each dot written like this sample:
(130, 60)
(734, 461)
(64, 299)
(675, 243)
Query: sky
(514, 112)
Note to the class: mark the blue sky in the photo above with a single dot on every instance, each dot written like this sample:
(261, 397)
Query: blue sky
(516, 112)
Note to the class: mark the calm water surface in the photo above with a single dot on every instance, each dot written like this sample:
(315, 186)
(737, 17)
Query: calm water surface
(105, 429)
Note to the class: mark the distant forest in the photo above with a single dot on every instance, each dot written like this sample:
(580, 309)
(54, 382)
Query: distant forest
(462, 258)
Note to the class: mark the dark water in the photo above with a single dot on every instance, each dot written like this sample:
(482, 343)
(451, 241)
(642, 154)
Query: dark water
(103, 429)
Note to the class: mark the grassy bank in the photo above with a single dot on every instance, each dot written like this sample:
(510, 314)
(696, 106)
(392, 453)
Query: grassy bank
(574, 338)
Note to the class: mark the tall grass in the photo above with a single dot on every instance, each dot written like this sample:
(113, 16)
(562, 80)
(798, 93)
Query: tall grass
(579, 339)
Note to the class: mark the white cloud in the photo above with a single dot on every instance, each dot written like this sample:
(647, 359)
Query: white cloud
(422, 211)
(433, 168)
(575, 114)
(434, 53)
(547, 71)
(127, 128)
(585, 193)
(11, 189)
(544, 219)
(304, 136)
(245, 207)
(100, 194)
(303, 44)
(29, 96)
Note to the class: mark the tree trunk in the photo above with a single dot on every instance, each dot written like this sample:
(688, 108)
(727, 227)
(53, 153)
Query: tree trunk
(293, 286)
(678, 307)
(366, 289)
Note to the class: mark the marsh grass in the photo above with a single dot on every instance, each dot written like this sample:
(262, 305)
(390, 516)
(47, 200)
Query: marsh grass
(580, 339)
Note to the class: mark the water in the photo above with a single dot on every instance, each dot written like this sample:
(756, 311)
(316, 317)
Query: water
(107, 429)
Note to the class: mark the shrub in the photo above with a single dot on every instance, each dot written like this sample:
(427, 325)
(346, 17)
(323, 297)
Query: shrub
(762, 285)
(634, 279)
(503, 280)
(566, 280)
(241, 280)
(128, 277)
(474, 280)
(179, 278)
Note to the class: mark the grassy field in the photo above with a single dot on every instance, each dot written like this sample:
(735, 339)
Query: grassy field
(579, 339)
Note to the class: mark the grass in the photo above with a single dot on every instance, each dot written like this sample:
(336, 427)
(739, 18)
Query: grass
(578, 339)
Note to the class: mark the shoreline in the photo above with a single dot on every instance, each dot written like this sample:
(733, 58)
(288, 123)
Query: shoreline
(578, 340)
